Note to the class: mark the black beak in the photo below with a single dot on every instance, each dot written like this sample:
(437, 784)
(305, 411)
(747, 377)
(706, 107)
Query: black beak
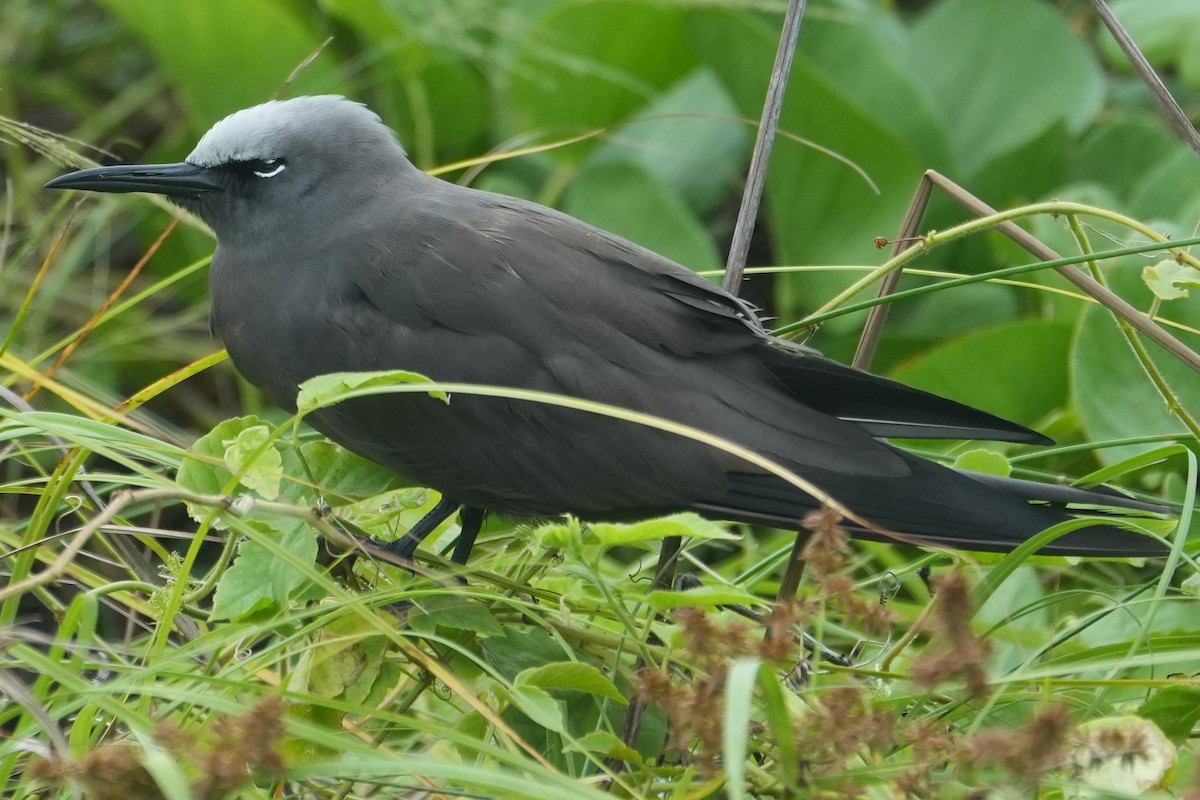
(174, 180)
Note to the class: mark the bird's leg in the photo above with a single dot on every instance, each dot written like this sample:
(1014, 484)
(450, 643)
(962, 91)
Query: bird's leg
(470, 520)
(664, 576)
(794, 569)
(406, 546)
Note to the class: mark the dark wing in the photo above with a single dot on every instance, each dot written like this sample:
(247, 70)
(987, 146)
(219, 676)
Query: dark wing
(656, 301)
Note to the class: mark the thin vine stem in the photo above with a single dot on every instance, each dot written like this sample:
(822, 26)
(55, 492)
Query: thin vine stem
(936, 238)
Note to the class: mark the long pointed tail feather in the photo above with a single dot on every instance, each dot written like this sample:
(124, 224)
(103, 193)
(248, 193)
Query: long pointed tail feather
(951, 508)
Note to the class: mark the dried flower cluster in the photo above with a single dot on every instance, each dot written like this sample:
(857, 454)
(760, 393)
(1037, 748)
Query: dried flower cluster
(826, 554)
(954, 652)
(694, 706)
(222, 758)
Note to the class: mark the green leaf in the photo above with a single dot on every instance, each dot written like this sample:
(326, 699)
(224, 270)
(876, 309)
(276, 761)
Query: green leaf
(1122, 151)
(344, 661)
(654, 530)
(1167, 189)
(379, 513)
(102, 437)
(820, 209)
(739, 697)
(516, 650)
(1167, 279)
(1166, 31)
(340, 477)
(689, 140)
(566, 535)
(1114, 395)
(706, 596)
(258, 580)
(432, 94)
(573, 675)
(988, 462)
(1036, 167)
(1176, 710)
(570, 73)
(607, 743)
(863, 53)
(539, 706)
(778, 716)
(204, 470)
(1012, 353)
(251, 457)
(459, 613)
(226, 65)
(624, 199)
(1008, 101)
(325, 390)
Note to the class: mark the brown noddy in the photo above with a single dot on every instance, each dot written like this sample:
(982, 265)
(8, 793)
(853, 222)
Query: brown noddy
(334, 253)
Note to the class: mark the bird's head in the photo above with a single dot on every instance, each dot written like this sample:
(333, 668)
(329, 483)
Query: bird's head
(283, 166)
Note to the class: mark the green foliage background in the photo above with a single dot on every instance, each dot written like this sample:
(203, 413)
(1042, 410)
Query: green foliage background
(638, 117)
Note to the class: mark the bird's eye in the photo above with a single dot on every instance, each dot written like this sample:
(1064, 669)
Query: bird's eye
(269, 168)
(266, 167)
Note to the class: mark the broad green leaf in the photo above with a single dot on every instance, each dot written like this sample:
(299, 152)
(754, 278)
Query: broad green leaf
(216, 56)
(539, 706)
(325, 390)
(1167, 190)
(1025, 172)
(655, 530)
(689, 140)
(433, 95)
(340, 477)
(862, 52)
(1166, 31)
(988, 462)
(1114, 395)
(572, 71)
(624, 199)
(1168, 279)
(334, 669)
(518, 649)
(1008, 48)
(258, 580)
(1016, 371)
(1175, 710)
(344, 661)
(459, 613)
(251, 457)
(573, 675)
(204, 470)
(819, 208)
(1120, 152)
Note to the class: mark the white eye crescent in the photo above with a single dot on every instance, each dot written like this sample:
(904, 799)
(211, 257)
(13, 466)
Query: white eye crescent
(269, 169)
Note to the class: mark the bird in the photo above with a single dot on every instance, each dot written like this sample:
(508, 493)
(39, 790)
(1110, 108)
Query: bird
(335, 253)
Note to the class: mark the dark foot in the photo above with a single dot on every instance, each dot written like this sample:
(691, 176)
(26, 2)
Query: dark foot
(407, 545)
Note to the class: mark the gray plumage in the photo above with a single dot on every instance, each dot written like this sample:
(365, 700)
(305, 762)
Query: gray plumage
(336, 254)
